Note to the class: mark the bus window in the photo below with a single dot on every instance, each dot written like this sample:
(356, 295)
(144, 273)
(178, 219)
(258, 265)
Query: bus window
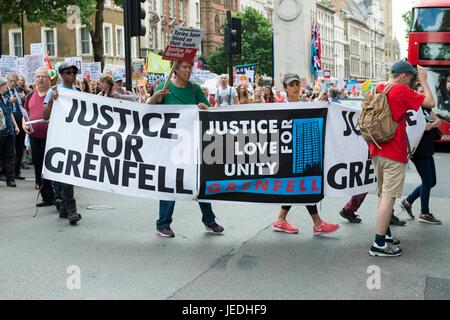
(431, 20)
(445, 93)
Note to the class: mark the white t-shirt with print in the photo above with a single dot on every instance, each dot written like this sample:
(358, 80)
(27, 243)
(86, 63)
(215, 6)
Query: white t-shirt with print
(223, 96)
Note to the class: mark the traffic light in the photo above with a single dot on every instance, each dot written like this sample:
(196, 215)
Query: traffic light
(137, 18)
(233, 36)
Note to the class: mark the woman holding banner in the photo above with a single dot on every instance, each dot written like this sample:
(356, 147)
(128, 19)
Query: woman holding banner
(182, 91)
(291, 83)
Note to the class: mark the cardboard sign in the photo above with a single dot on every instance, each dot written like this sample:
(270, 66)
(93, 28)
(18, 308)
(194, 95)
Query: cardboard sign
(183, 44)
(31, 64)
(96, 70)
(37, 49)
(8, 64)
(21, 70)
(138, 69)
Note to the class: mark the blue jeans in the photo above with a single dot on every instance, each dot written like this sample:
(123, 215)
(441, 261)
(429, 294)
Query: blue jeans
(166, 211)
(427, 172)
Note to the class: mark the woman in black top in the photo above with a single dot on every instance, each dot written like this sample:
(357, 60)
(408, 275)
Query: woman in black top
(424, 162)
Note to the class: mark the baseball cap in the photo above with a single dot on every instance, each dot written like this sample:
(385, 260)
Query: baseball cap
(3, 81)
(117, 77)
(67, 65)
(403, 66)
(289, 77)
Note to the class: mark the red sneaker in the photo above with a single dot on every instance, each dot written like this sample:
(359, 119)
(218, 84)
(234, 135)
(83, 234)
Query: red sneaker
(326, 228)
(284, 227)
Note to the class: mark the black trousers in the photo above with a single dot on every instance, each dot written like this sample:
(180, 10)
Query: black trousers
(311, 209)
(38, 150)
(7, 152)
(19, 149)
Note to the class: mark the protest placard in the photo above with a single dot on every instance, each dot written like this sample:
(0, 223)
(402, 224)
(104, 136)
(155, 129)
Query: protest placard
(31, 64)
(138, 69)
(87, 71)
(183, 44)
(95, 69)
(8, 64)
(21, 70)
(37, 49)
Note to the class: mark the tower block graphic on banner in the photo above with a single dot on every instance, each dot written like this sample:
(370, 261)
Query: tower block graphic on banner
(308, 146)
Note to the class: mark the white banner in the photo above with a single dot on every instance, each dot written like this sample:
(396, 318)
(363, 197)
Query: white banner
(348, 169)
(122, 147)
(153, 151)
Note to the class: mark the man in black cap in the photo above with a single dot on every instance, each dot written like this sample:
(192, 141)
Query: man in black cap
(390, 159)
(64, 194)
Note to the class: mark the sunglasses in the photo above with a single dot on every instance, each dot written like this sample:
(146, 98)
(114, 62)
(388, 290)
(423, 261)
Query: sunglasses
(71, 72)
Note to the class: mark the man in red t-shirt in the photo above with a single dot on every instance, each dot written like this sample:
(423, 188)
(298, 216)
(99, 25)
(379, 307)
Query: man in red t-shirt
(34, 106)
(391, 158)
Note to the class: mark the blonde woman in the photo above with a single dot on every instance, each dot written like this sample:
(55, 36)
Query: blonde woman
(258, 96)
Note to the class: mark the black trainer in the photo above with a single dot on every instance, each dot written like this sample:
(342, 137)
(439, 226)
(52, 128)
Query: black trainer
(45, 203)
(395, 221)
(11, 183)
(388, 250)
(165, 232)
(407, 207)
(214, 228)
(351, 217)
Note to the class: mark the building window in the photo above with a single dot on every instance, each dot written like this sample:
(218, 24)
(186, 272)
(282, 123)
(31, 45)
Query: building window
(49, 40)
(107, 44)
(181, 10)
(197, 10)
(217, 23)
(172, 8)
(119, 41)
(85, 38)
(15, 42)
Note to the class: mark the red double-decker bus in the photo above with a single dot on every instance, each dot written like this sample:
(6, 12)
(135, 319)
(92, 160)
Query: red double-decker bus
(429, 46)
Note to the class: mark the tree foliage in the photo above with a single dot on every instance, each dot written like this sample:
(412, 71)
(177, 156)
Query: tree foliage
(407, 19)
(256, 44)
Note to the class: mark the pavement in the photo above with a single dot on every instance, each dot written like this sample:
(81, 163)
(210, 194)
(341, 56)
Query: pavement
(118, 255)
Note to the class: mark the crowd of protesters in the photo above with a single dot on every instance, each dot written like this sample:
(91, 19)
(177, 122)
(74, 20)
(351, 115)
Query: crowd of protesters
(21, 104)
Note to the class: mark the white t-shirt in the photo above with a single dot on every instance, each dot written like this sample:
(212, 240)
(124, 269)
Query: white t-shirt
(226, 96)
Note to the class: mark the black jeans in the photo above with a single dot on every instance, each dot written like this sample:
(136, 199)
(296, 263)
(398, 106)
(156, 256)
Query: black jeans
(38, 150)
(63, 191)
(427, 172)
(19, 147)
(311, 209)
(7, 152)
